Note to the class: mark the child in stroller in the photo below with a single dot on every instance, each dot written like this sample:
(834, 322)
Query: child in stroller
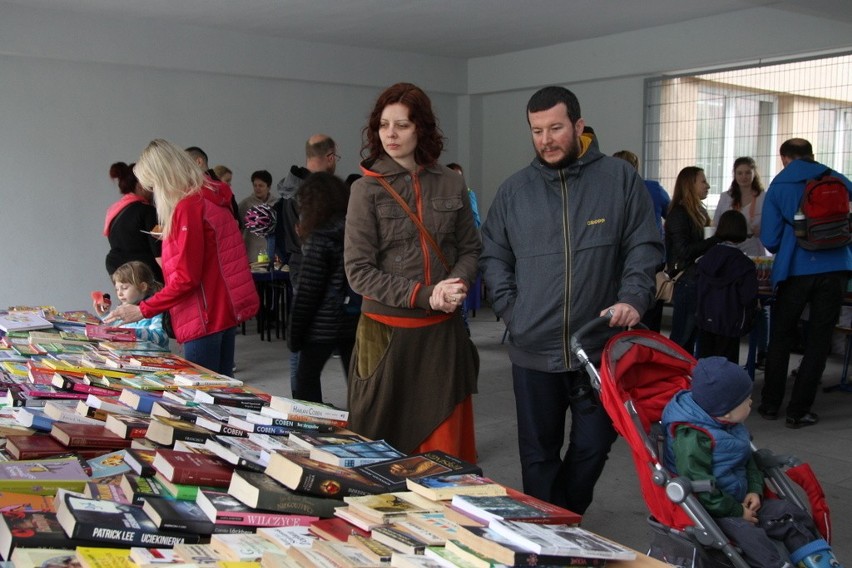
(705, 439)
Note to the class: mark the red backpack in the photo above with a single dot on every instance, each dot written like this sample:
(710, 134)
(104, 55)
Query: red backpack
(823, 220)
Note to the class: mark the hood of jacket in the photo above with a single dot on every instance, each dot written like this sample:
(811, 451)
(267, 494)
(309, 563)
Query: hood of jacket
(217, 193)
(715, 267)
(800, 171)
(384, 166)
(290, 183)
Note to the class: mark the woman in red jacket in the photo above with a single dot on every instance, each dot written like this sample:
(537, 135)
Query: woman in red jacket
(208, 284)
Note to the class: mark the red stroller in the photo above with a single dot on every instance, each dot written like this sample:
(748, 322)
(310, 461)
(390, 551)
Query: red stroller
(640, 372)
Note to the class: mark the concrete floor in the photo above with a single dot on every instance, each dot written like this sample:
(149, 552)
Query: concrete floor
(618, 510)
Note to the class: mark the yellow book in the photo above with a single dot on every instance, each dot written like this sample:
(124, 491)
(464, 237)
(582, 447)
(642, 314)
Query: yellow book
(92, 557)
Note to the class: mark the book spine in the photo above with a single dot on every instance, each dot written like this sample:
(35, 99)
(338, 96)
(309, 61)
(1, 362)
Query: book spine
(129, 537)
(301, 425)
(313, 412)
(264, 519)
(325, 421)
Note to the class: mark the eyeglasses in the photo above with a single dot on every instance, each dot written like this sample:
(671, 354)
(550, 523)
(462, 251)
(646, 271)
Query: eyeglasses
(336, 156)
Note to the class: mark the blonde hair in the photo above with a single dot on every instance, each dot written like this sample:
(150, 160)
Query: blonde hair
(221, 170)
(136, 273)
(628, 157)
(172, 174)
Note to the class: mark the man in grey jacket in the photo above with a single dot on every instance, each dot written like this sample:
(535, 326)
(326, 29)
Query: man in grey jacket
(568, 238)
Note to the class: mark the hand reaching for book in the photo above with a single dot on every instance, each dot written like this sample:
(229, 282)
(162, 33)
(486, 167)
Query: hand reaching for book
(125, 313)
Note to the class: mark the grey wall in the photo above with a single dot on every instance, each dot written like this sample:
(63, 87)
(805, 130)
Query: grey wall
(77, 94)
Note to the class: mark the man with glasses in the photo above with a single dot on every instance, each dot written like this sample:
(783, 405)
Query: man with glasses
(320, 156)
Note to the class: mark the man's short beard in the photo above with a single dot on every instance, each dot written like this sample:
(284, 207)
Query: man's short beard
(569, 158)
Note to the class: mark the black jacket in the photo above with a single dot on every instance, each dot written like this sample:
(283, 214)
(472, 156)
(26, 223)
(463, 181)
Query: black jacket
(321, 310)
(727, 291)
(127, 241)
(685, 242)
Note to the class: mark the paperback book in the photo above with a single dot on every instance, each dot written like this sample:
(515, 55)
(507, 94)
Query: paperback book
(515, 506)
(491, 544)
(42, 476)
(557, 539)
(301, 473)
(443, 487)
(260, 491)
(87, 436)
(385, 507)
(108, 464)
(225, 509)
(355, 454)
(391, 475)
(177, 515)
(286, 405)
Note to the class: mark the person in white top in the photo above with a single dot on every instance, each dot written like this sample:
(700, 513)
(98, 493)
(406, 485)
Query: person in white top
(746, 196)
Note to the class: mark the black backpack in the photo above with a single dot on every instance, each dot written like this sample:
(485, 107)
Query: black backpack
(823, 221)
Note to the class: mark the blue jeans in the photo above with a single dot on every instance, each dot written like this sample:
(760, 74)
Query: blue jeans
(824, 293)
(684, 306)
(214, 351)
(542, 401)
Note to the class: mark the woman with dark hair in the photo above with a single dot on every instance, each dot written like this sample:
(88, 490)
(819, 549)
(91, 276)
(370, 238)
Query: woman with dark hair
(126, 219)
(746, 196)
(411, 249)
(325, 311)
(685, 242)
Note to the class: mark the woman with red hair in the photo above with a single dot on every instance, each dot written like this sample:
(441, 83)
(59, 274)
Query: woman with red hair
(411, 249)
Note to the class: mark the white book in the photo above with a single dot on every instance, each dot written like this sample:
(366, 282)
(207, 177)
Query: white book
(285, 537)
(291, 406)
(560, 540)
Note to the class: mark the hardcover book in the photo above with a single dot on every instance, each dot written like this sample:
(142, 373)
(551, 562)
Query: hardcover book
(87, 436)
(33, 447)
(391, 475)
(111, 522)
(42, 476)
(259, 491)
(187, 467)
(225, 509)
(176, 515)
(359, 453)
(310, 476)
(493, 545)
(443, 487)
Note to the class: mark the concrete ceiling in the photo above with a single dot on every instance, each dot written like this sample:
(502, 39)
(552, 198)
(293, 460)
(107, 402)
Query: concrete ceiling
(449, 28)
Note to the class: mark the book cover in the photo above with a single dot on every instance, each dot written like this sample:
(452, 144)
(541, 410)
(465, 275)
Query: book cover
(138, 399)
(335, 528)
(345, 554)
(221, 412)
(436, 523)
(372, 548)
(350, 516)
(223, 508)
(199, 553)
(491, 544)
(161, 361)
(225, 397)
(355, 454)
(194, 468)
(33, 447)
(111, 522)
(400, 541)
(108, 464)
(75, 317)
(97, 557)
(105, 491)
(384, 507)
(192, 377)
(167, 409)
(259, 491)
(137, 488)
(443, 487)
(140, 461)
(295, 425)
(110, 333)
(23, 321)
(177, 515)
(218, 427)
(243, 423)
(392, 474)
(286, 405)
(45, 558)
(558, 539)
(86, 435)
(240, 452)
(32, 529)
(286, 537)
(420, 533)
(301, 473)
(180, 491)
(71, 383)
(515, 506)
(42, 476)
(310, 440)
(241, 547)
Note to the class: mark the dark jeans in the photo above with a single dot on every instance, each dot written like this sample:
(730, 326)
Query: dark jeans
(824, 293)
(307, 384)
(542, 401)
(684, 306)
(777, 520)
(214, 351)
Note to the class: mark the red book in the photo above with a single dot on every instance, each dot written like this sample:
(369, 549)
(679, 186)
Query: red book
(192, 468)
(34, 446)
(66, 382)
(87, 436)
(110, 333)
(335, 528)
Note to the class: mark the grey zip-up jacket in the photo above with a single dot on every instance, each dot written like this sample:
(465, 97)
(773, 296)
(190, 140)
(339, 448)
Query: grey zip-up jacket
(559, 246)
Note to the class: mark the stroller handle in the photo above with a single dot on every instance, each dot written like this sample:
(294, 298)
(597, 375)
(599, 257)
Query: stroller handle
(577, 336)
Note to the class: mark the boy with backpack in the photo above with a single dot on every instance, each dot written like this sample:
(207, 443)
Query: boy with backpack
(705, 439)
(727, 291)
(800, 277)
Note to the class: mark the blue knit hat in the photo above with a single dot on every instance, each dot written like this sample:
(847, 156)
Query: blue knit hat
(719, 386)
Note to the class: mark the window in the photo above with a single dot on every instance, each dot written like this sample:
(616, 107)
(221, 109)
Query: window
(710, 119)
